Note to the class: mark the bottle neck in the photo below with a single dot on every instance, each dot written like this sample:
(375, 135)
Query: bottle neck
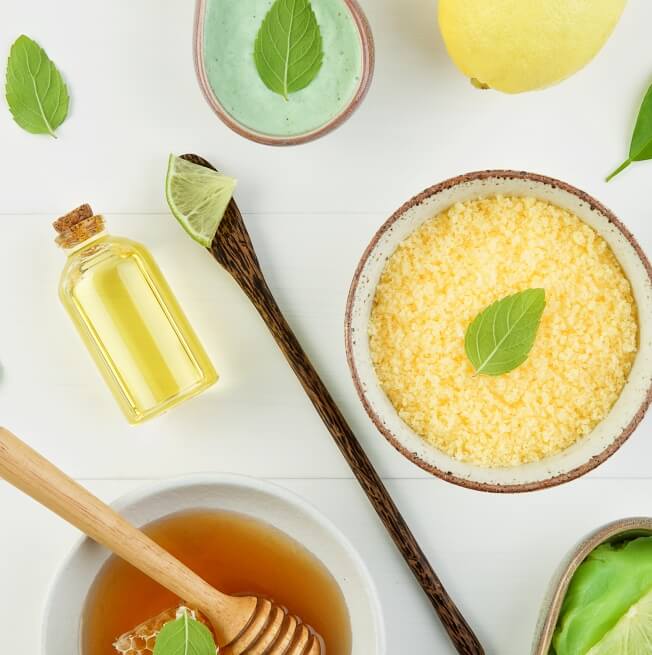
(100, 236)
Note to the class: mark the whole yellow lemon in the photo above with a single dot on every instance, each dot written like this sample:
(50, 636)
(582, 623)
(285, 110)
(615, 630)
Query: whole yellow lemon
(521, 45)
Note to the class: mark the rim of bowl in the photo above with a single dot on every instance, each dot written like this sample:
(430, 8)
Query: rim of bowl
(154, 487)
(555, 480)
(368, 65)
(551, 605)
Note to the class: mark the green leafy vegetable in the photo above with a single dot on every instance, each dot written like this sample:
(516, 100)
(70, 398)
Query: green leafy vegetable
(185, 636)
(612, 579)
(500, 338)
(35, 91)
(640, 148)
(632, 635)
(288, 50)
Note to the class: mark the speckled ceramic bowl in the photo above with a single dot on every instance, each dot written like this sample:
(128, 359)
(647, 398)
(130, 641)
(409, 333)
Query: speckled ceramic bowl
(623, 529)
(588, 452)
(367, 68)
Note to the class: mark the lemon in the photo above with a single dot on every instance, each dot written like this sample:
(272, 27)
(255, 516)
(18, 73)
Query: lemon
(198, 197)
(632, 635)
(521, 45)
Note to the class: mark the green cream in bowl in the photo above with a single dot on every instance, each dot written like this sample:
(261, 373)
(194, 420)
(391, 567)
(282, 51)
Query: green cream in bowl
(229, 64)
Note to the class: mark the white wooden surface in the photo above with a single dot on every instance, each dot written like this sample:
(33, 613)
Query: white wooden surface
(311, 210)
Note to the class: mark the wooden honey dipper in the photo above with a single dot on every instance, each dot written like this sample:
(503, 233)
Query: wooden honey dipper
(240, 623)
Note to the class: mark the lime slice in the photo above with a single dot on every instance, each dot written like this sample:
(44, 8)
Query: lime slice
(198, 197)
(632, 635)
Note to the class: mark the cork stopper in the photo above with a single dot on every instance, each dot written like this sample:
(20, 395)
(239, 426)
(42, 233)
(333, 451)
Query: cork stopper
(77, 226)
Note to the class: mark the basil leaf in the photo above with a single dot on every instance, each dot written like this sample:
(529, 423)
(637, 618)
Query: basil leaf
(35, 91)
(500, 338)
(288, 50)
(640, 148)
(185, 636)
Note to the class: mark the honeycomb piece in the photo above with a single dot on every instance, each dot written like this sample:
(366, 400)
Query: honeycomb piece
(141, 640)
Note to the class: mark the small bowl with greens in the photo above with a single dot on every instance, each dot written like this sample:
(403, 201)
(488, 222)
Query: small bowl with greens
(600, 601)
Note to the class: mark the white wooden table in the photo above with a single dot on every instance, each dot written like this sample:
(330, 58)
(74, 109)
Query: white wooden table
(311, 210)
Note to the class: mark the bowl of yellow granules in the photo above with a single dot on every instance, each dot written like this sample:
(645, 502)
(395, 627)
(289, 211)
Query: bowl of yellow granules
(499, 331)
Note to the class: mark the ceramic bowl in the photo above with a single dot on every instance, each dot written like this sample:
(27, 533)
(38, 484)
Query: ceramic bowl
(261, 500)
(623, 529)
(367, 68)
(588, 452)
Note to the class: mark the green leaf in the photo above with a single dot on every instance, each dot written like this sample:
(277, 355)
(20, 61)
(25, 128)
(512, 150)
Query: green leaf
(35, 91)
(185, 636)
(612, 579)
(500, 338)
(288, 50)
(640, 148)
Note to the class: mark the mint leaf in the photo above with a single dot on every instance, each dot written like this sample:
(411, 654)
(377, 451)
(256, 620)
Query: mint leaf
(500, 338)
(35, 91)
(288, 50)
(185, 636)
(640, 148)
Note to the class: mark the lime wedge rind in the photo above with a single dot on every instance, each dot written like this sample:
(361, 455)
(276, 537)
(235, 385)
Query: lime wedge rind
(198, 198)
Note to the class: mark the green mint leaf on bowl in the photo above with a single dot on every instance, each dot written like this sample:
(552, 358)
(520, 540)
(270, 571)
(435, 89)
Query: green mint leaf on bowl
(36, 93)
(288, 50)
(185, 636)
(640, 148)
(500, 338)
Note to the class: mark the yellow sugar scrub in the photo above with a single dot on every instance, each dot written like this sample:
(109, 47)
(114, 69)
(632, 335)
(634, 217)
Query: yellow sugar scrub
(454, 266)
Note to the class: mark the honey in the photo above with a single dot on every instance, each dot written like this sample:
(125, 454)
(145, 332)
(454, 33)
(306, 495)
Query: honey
(236, 554)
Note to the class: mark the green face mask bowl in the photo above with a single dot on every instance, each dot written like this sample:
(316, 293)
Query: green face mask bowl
(224, 37)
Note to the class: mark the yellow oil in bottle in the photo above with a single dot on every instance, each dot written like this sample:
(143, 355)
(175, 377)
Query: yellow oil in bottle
(129, 319)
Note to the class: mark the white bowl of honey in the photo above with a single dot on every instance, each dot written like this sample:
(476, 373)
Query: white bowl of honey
(243, 536)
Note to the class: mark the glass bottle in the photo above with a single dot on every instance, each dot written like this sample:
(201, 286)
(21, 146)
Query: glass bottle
(129, 319)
